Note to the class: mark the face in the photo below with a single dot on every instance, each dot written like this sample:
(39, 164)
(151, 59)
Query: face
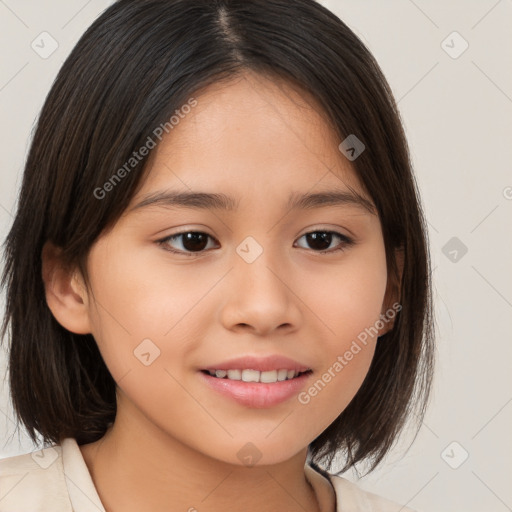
(181, 287)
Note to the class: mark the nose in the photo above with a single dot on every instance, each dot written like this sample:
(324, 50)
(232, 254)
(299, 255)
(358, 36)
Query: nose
(260, 297)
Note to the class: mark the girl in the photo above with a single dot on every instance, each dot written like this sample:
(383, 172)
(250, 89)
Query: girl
(217, 277)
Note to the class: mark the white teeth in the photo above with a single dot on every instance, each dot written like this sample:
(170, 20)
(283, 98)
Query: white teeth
(282, 374)
(270, 376)
(248, 375)
(235, 374)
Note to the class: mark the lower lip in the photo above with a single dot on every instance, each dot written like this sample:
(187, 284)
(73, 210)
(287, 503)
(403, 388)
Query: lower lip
(257, 394)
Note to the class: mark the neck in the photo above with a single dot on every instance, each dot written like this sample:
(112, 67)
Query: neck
(138, 467)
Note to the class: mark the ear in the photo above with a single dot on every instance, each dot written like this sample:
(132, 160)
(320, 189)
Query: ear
(392, 295)
(66, 294)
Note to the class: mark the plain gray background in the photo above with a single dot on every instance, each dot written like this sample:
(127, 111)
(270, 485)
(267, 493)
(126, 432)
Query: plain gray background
(457, 110)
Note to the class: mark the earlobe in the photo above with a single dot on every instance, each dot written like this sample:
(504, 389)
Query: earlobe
(65, 292)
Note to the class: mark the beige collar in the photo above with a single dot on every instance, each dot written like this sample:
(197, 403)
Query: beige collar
(323, 488)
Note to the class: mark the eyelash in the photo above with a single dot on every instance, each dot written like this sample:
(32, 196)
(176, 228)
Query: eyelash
(345, 242)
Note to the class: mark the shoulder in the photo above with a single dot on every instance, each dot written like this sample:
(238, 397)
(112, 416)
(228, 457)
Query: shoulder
(34, 482)
(351, 498)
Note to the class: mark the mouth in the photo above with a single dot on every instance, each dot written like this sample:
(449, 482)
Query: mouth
(251, 375)
(257, 381)
(256, 389)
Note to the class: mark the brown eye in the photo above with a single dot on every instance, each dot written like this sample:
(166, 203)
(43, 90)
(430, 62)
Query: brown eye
(187, 242)
(320, 241)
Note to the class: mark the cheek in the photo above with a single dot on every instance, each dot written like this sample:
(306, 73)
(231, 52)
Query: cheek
(348, 301)
(145, 306)
(348, 297)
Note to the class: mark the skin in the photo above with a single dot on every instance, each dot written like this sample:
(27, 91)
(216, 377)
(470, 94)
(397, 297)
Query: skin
(174, 444)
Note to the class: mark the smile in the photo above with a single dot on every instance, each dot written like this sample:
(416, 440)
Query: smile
(256, 392)
(249, 375)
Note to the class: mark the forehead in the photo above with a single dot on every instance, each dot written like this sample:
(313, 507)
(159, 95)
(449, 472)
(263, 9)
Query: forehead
(252, 136)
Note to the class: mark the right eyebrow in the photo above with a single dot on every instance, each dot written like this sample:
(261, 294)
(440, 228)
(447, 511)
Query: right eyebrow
(199, 200)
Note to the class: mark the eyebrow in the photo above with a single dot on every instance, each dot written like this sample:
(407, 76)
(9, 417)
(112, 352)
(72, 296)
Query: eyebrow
(220, 201)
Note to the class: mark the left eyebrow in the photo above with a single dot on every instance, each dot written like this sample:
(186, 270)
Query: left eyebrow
(329, 198)
(220, 201)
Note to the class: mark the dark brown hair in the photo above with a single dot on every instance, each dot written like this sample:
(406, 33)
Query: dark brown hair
(139, 62)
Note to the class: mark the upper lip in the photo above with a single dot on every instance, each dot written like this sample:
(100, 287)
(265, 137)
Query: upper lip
(262, 364)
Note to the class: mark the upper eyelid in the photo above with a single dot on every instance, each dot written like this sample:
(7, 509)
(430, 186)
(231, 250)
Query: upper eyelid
(320, 230)
(176, 235)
